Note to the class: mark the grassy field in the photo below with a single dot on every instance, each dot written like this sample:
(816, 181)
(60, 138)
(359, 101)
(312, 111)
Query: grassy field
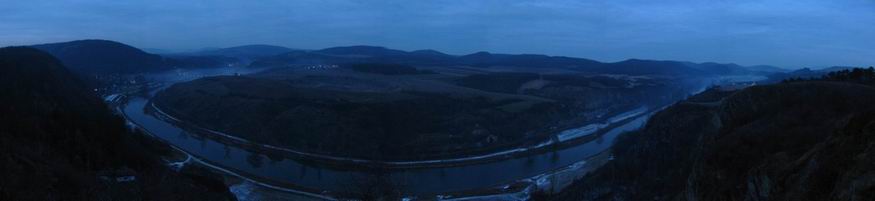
(412, 115)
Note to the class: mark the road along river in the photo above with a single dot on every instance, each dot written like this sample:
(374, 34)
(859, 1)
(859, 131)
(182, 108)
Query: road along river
(317, 180)
(421, 181)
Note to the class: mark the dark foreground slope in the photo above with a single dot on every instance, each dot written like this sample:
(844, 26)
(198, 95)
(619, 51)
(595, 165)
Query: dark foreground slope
(796, 141)
(57, 139)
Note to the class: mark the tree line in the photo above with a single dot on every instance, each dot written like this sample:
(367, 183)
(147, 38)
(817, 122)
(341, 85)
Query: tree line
(856, 75)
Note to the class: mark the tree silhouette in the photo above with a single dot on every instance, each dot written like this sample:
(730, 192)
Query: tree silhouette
(856, 75)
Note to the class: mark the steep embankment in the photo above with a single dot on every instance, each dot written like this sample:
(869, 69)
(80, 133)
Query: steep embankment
(58, 141)
(799, 141)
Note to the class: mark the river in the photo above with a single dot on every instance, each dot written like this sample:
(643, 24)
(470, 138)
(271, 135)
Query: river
(415, 181)
(420, 181)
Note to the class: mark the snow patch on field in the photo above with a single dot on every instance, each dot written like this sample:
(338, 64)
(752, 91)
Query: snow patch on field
(243, 191)
(589, 129)
(575, 133)
(177, 166)
(627, 115)
(112, 98)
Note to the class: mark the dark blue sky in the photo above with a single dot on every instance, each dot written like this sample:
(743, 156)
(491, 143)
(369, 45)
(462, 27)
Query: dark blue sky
(790, 33)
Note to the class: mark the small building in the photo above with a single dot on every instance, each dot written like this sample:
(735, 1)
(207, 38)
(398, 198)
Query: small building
(491, 139)
(120, 175)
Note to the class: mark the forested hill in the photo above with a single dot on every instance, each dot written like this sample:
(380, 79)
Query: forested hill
(103, 56)
(420, 58)
(803, 140)
(57, 138)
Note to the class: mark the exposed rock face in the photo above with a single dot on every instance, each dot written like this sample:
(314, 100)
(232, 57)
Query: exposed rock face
(799, 141)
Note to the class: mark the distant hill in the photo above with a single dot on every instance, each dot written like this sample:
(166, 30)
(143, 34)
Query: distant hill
(793, 141)
(767, 69)
(834, 68)
(429, 52)
(103, 57)
(805, 73)
(723, 69)
(375, 54)
(248, 52)
(486, 59)
(354, 54)
(206, 61)
(57, 138)
(638, 66)
(96, 57)
(158, 51)
(361, 51)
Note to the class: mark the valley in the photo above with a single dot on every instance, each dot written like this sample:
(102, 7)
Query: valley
(480, 100)
(338, 112)
(317, 130)
(597, 109)
(797, 140)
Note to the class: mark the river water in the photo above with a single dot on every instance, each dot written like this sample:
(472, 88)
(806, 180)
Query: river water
(416, 181)
(413, 181)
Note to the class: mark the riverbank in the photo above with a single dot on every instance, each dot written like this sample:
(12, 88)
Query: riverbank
(260, 173)
(564, 139)
(550, 182)
(228, 173)
(421, 178)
